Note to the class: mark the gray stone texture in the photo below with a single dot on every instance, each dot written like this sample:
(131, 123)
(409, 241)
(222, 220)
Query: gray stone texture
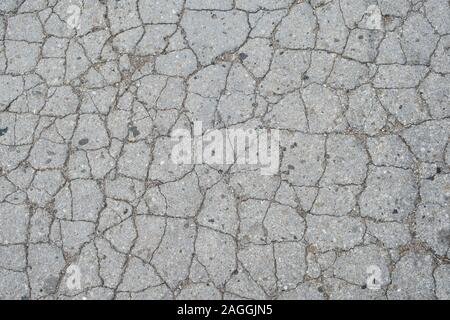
(359, 208)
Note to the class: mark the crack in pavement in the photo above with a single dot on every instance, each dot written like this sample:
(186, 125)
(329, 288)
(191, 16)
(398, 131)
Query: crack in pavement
(91, 91)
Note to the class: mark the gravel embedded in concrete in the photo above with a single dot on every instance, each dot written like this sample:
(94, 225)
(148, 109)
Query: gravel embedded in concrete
(91, 206)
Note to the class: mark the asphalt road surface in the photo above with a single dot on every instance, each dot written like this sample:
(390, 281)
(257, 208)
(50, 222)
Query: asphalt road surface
(92, 205)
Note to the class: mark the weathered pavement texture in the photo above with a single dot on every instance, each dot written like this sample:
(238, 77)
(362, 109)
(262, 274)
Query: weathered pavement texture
(359, 89)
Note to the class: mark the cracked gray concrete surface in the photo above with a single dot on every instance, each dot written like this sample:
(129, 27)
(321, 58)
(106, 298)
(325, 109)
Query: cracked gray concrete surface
(92, 208)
